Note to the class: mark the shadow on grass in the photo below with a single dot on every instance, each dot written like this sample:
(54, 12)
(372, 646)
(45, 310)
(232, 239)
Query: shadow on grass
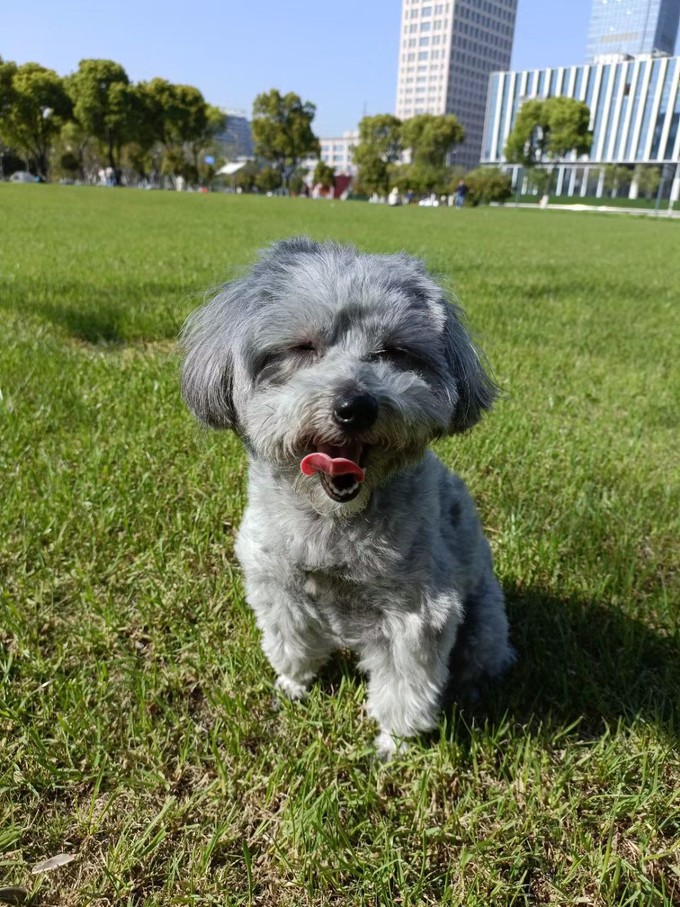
(585, 664)
(580, 665)
(93, 325)
(97, 316)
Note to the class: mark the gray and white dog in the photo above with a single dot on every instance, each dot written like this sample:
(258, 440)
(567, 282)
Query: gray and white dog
(337, 369)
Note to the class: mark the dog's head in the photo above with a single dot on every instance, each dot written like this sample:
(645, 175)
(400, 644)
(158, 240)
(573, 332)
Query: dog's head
(346, 363)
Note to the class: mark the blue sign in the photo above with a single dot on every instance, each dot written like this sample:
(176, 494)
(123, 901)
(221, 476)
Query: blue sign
(209, 159)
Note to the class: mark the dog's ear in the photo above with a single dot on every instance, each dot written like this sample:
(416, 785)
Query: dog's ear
(209, 342)
(475, 388)
(214, 338)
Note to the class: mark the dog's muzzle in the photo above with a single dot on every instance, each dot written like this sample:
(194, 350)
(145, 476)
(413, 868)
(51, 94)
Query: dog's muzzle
(340, 466)
(355, 412)
(339, 469)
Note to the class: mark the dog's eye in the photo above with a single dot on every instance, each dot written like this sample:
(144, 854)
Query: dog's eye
(306, 348)
(268, 366)
(399, 357)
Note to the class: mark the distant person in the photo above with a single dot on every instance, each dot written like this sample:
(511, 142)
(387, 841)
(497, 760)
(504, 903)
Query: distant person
(461, 192)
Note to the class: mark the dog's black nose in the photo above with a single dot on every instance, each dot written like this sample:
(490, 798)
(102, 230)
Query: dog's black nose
(355, 412)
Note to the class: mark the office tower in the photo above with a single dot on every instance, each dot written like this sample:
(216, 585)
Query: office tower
(447, 51)
(629, 28)
(235, 140)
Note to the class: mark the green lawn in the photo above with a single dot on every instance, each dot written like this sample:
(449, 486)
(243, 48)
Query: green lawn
(136, 725)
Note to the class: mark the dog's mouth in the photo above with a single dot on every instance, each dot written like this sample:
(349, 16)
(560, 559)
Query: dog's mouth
(339, 468)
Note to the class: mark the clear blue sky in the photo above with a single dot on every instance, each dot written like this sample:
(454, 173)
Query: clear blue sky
(343, 57)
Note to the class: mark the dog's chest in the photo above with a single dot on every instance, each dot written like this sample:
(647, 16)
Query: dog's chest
(353, 573)
(353, 604)
(354, 581)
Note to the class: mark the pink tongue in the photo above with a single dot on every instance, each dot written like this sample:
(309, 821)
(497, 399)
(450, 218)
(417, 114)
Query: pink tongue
(332, 466)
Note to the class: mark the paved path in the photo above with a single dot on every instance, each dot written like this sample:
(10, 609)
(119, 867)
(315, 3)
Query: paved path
(604, 209)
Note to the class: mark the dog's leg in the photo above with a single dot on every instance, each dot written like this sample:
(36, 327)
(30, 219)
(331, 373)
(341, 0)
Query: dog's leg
(294, 641)
(407, 675)
(482, 651)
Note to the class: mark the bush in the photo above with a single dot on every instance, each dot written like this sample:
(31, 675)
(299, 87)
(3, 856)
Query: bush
(488, 184)
(244, 179)
(10, 162)
(268, 180)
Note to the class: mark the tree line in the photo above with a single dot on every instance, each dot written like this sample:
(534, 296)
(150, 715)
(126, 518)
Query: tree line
(96, 118)
(425, 141)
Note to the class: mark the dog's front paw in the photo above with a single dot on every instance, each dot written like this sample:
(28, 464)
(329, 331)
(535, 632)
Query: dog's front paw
(387, 747)
(290, 688)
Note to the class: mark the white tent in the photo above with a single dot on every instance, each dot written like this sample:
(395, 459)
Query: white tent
(231, 168)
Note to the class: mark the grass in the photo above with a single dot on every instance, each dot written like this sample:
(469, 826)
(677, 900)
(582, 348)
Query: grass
(136, 727)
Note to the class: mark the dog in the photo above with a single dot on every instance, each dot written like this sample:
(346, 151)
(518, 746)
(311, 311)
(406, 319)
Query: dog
(337, 369)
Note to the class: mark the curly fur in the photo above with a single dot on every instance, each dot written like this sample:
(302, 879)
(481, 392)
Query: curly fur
(395, 572)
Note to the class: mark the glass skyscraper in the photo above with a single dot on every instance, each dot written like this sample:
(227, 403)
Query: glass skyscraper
(632, 28)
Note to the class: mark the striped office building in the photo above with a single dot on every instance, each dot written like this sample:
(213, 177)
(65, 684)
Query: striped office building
(635, 112)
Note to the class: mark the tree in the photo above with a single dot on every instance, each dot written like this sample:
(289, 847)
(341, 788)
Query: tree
(106, 106)
(33, 107)
(297, 182)
(324, 175)
(202, 144)
(379, 136)
(546, 131)
(244, 178)
(568, 131)
(488, 184)
(375, 176)
(379, 148)
(615, 178)
(282, 131)
(431, 138)
(539, 180)
(648, 179)
(526, 143)
(177, 119)
(75, 144)
(7, 71)
(268, 179)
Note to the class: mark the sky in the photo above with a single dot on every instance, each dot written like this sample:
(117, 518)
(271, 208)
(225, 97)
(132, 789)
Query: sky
(342, 57)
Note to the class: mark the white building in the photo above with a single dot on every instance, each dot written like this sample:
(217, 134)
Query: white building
(446, 53)
(634, 116)
(337, 152)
